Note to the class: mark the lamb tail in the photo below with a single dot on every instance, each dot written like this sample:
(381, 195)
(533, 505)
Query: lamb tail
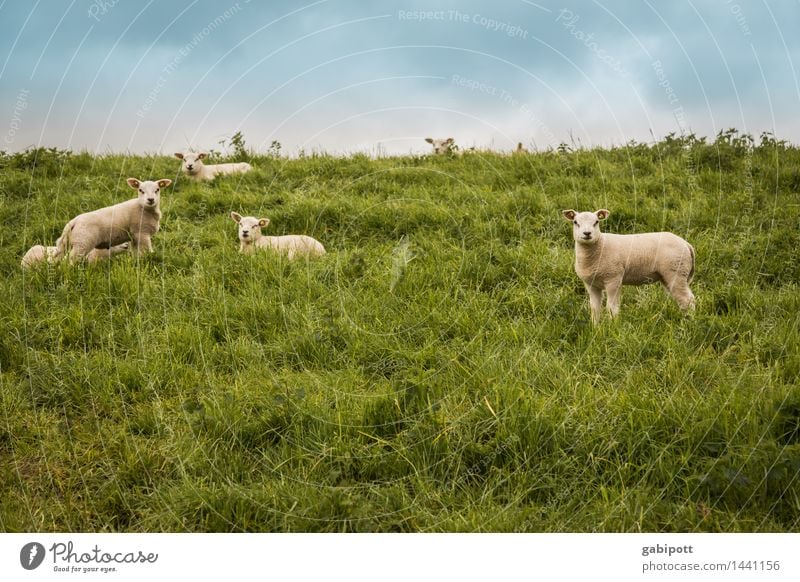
(63, 241)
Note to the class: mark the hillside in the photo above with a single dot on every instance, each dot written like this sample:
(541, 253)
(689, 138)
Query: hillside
(435, 371)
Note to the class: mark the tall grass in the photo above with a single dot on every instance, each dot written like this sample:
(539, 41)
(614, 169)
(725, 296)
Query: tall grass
(435, 371)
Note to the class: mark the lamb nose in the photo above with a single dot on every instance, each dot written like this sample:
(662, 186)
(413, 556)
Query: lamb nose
(587, 233)
(150, 200)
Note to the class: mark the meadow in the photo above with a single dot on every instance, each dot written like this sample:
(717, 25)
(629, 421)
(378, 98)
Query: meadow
(437, 370)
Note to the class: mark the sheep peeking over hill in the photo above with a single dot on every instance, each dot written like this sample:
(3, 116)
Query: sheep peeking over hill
(194, 167)
(442, 146)
(292, 245)
(606, 262)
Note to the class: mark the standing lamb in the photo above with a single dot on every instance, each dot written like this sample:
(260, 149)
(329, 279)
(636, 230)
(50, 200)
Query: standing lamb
(442, 146)
(292, 245)
(605, 262)
(134, 220)
(194, 167)
(39, 253)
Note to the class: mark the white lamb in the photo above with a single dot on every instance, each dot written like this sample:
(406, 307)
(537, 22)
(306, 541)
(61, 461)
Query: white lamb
(292, 245)
(605, 262)
(135, 220)
(39, 253)
(194, 167)
(442, 146)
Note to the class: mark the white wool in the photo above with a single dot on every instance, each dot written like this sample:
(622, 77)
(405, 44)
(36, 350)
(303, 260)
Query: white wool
(605, 262)
(135, 220)
(292, 245)
(194, 167)
(39, 253)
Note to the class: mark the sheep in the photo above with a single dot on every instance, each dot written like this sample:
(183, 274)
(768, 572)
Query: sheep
(134, 220)
(194, 167)
(442, 146)
(520, 149)
(605, 262)
(39, 253)
(292, 245)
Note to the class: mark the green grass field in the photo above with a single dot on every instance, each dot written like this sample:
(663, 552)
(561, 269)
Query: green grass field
(435, 371)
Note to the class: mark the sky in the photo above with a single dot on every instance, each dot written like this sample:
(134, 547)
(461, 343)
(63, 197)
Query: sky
(346, 76)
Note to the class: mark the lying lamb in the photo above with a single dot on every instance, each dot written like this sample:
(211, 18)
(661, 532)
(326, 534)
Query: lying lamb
(442, 146)
(250, 239)
(605, 262)
(134, 220)
(194, 167)
(39, 253)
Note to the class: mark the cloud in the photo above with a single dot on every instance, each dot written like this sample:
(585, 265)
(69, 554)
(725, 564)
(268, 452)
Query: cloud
(341, 74)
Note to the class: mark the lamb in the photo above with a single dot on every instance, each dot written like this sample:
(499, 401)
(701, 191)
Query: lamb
(134, 220)
(520, 149)
(39, 253)
(194, 167)
(605, 262)
(442, 146)
(292, 245)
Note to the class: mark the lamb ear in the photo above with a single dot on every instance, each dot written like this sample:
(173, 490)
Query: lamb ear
(179, 155)
(602, 214)
(429, 139)
(202, 155)
(263, 222)
(236, 216)
(163, 183)
(133, 182)
(569, 214)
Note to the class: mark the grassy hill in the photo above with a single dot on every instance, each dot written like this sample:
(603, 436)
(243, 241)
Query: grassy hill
(436, 371)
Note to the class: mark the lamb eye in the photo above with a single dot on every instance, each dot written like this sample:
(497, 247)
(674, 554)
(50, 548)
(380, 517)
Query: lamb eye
(141, 191)
(575, 222)
(596, 222)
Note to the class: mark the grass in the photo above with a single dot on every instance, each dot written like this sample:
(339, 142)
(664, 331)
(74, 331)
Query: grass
(435, 371)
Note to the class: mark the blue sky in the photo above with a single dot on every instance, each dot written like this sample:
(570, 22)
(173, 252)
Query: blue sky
(346, 76)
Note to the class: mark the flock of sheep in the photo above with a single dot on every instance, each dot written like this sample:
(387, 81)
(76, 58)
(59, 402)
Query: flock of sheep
(603, 261)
